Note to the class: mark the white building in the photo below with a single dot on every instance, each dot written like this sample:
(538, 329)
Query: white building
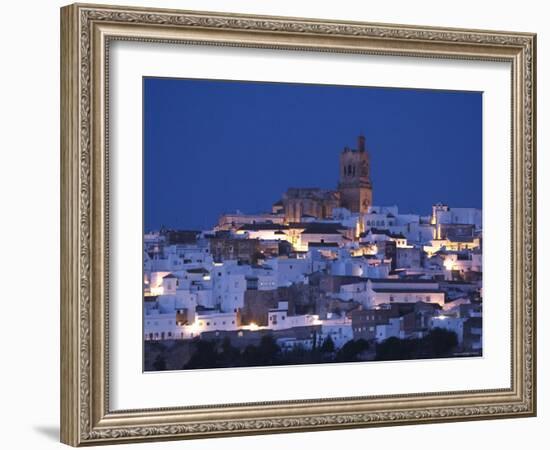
(234, 221)
(378, 220)
(230, 280)
(419, 233)
(389, 291)
(265, 232)
(455, 324)
(229, 285)
(442, 214)
(357, 292)
(393, 210)
(360, 267)
(278, 318)
(215, 321)
(309, 238)
(290, 270)
(153, 282)
(160, 326)
(391, 329)
(381, 296)
(338, 329)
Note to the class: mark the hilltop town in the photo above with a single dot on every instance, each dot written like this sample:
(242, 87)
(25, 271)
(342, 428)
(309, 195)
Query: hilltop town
(324, 275)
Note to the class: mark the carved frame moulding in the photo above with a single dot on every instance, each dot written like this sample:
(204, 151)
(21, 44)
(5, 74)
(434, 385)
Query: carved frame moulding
(87, 32)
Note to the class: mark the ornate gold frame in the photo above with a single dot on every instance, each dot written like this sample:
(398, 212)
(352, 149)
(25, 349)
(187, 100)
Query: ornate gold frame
(86, 31)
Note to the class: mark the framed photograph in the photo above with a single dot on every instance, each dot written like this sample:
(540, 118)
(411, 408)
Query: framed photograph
(274, 224)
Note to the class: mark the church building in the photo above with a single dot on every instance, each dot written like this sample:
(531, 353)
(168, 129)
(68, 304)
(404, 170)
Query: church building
(354, 190)
(355, 186)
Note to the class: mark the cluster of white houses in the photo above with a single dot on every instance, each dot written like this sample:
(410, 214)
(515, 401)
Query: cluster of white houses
(320, 263)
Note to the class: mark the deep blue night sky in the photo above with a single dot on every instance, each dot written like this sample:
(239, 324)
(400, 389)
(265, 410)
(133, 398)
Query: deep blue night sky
(217, 146)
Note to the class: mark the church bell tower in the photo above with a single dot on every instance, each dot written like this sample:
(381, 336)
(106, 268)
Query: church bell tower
(355, 186)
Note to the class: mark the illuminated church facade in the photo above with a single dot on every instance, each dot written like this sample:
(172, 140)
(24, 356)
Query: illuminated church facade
(354, 191)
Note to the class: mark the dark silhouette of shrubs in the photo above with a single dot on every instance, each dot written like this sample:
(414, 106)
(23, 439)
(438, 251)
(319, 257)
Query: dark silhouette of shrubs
(351, 350)
(438, 343)
(208, 354)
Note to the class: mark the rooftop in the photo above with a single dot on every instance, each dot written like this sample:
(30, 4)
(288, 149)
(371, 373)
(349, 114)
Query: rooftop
(323, 228)
(263, 226)
(323, 244)
(198, 270)
(412, 291)
(401, 280)
(384, 232)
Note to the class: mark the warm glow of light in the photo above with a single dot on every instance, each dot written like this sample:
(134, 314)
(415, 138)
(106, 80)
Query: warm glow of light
(440, 317)
(159, 290)
(206, 278)
(448, 263)
(252, 326)
(194, 327)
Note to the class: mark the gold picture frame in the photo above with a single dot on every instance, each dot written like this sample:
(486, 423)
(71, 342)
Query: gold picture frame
(86, 32)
